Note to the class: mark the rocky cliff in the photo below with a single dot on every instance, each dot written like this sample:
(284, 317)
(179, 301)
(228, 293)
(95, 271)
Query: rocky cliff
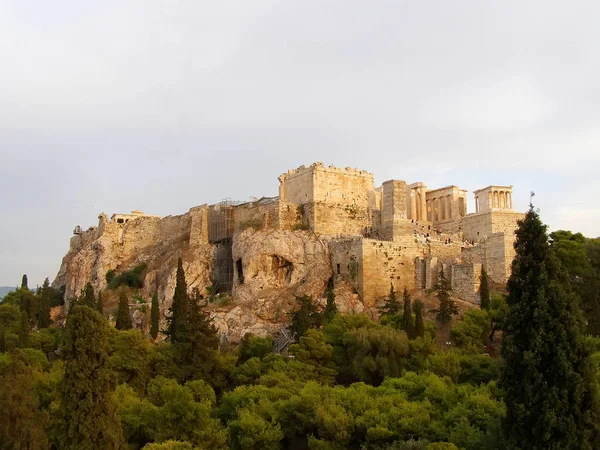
(270, 268)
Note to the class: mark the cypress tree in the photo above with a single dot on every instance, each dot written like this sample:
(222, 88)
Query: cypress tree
(392, 305)
(419, 324)
(45, 299)
(100, 306)
(546, 379)
(407, 318)
(89, 417)
(330, 308)
(177, 322)
(197, 353)
(154, 315)
(24, 282)
(89, 299)
(484, 289)
(123, 317)
(305, 318)
(447, 307)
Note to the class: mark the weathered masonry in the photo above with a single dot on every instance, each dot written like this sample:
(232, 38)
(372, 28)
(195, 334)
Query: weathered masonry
(398, 234)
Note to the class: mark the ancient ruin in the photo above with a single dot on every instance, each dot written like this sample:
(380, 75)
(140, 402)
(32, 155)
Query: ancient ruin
(326, 222)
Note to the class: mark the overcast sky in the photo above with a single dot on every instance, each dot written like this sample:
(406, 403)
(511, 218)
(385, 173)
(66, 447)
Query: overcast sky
(110, 106)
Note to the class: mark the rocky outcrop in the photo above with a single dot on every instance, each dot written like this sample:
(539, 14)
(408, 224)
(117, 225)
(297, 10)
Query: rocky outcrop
(270, 268)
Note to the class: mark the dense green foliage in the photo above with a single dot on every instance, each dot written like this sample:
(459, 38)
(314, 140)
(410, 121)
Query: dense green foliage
(330, 308)
(349, 382)
(447, 308)
(548, 389)
(581, 258)
(131, 278)
(123, 316)
(88, 412)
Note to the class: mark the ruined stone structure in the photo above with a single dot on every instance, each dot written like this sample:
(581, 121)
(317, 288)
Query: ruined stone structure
(326, 222)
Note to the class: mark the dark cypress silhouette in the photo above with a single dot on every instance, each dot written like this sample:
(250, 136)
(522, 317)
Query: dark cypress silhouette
(546, 379)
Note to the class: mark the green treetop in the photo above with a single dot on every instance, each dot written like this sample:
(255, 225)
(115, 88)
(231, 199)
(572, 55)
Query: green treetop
(546, 383)
(88, 412)
(123, 317)
(447, 307)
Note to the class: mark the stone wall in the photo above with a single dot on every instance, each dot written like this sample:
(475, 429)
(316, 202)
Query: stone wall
(338, 219)
(496, 254)
(384, 263)
(465, 281)
(258, 215)
(476, 226)
(318, 183)
(394, 209)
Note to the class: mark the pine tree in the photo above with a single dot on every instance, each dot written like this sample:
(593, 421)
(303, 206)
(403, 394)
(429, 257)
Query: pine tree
(546, 379)
(419, 324)
(407, 318)
(45, 299)
(392, 305)
(484, 289)
(89, 417)
(100, 306)
(154, 313)
(177, 322)
(447, 307)
(88, 298)
(330, 308)
(123, 317)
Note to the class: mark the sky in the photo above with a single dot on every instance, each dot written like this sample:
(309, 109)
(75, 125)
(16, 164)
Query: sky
(163, 105)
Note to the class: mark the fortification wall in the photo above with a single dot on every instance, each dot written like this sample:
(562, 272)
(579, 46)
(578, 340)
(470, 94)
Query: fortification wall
(394, 211)
(260, 216)
(346, 260)
(339, 219)
(465, 281)
(198, 225)
(384, 263)
(318, 183)
(476, 226)
(496, 254)
(290, 215)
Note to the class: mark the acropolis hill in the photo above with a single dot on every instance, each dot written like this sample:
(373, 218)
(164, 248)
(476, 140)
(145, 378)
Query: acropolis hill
(327, 223)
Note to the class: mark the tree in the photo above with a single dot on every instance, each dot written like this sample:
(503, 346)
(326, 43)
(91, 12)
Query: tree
(419, 324)
(89, 417)
(100, 304)
(579, 257)
(484, 289)
(178, 319)
(24, 282)
(330, 308)
(45, 299)
(546, 378)
(197, 353)
(123, 317)
(407, 318)
(89, 299)
(447, 307)
(392, 305)
(154, 313)
(305, 318)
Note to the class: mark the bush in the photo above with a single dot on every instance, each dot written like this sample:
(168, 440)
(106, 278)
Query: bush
(132, 278)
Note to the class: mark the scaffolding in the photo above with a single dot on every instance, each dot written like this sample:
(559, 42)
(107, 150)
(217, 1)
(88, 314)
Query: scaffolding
(220, 234)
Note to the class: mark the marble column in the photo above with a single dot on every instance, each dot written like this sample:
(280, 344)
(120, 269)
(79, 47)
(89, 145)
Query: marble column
(423, 204)
(413, 205)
